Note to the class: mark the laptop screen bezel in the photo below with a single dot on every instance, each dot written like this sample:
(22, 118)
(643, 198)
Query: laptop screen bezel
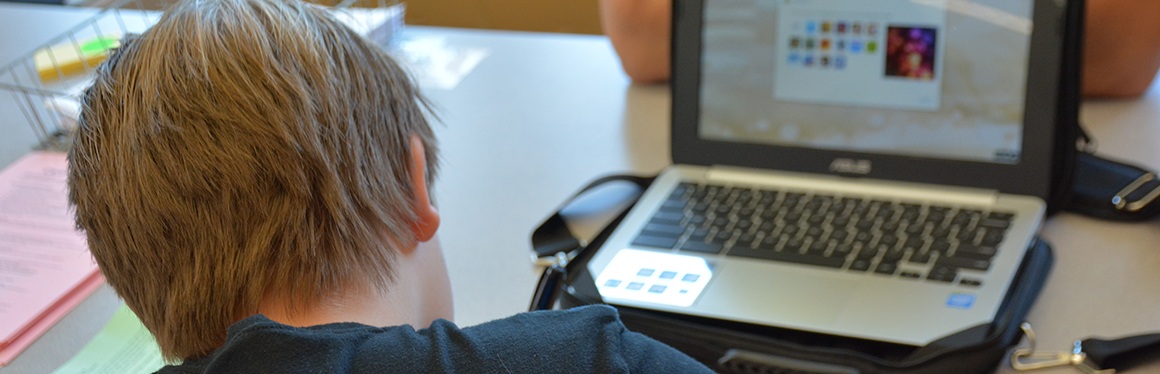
(1030, 176)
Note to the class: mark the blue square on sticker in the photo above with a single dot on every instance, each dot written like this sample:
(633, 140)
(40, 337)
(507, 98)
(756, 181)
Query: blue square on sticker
(634, 286)
(961, 300)
(612, 283)
(668, 275)
(645, 272)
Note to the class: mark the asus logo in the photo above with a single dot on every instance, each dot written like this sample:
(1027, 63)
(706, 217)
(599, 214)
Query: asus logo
(850, 166)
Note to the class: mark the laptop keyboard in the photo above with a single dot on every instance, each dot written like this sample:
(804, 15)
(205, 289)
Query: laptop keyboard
(851, 233)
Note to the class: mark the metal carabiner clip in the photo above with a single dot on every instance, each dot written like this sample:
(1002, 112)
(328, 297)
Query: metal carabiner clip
(1121, 199)
(1029, 359)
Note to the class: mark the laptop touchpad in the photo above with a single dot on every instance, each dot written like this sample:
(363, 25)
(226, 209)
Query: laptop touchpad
(795, 296)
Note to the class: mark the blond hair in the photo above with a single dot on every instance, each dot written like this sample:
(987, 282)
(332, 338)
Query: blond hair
(239, 148)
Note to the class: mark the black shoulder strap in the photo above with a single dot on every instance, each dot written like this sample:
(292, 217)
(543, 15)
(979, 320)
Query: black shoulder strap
(1069, 132)
(553, 236)
(553, 244)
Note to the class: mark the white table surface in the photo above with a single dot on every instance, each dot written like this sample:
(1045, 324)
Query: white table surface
(545, 113)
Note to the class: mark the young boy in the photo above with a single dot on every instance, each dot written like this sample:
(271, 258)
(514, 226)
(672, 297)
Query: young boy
(254, 181)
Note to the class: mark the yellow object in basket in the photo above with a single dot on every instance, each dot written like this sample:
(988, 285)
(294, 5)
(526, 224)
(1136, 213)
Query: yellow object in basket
(63, 60)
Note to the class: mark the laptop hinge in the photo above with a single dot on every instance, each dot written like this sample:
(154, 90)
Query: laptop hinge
(905, 191)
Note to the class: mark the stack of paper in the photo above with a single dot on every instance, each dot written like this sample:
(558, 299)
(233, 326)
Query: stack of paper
(124, 346)
(45, 266)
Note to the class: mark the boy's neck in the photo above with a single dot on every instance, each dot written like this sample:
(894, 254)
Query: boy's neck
(419, 294)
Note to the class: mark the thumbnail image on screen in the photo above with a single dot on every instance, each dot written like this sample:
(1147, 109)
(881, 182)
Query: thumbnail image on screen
(929, 78)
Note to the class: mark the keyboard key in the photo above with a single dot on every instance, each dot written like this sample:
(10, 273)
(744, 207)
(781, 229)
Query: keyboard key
(674, 205)
(965, 217)
(992, 238)
(971, 282)
(970, 251)
(699, 235)
(783, 256)
(914, 243)
(790, 230)
(942, 274)
(654, 241)
(868, 253)
(967, 235)
(994, 223)
(920, 257)
(769, 242)
(660, 230)
(940, 246)
(818, 248)
(792, 245)
(915, 229)
(893, 255)
(965, 263)
(860, 265)
(712, 248)
(909, 275)
(668, 218)
(721, 237)
(745, 240)
(1003, 216)
(886, 268)
(841, 250)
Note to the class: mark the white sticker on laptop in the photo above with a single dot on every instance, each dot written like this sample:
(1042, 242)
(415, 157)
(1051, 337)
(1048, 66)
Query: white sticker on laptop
(654, 277)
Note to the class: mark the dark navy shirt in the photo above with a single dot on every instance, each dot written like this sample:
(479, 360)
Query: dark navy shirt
(583, 340)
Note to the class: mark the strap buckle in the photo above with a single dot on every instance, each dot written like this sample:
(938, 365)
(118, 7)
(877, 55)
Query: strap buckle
(1026, 359)
(1121, 202)
(560, 258)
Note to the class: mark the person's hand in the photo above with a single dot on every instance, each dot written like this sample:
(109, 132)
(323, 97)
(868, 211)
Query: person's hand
(1122, 47)
(639, 30)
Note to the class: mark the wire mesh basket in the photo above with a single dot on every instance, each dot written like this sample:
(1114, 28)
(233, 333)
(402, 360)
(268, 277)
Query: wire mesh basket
(46, 83)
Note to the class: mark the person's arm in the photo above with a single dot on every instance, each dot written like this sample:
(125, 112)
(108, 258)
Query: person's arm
(639, 30)
(1122, 47)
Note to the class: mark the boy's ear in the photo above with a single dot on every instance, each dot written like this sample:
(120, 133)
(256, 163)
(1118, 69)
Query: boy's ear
(426, 216)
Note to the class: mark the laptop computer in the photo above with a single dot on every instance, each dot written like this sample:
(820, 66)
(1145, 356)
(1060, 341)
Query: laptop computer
(873, 169)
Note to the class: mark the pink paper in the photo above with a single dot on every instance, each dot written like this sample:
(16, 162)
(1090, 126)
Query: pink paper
(43, 258)
(50, 318)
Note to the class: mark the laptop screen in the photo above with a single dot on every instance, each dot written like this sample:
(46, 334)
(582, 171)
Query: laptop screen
(942, 79)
